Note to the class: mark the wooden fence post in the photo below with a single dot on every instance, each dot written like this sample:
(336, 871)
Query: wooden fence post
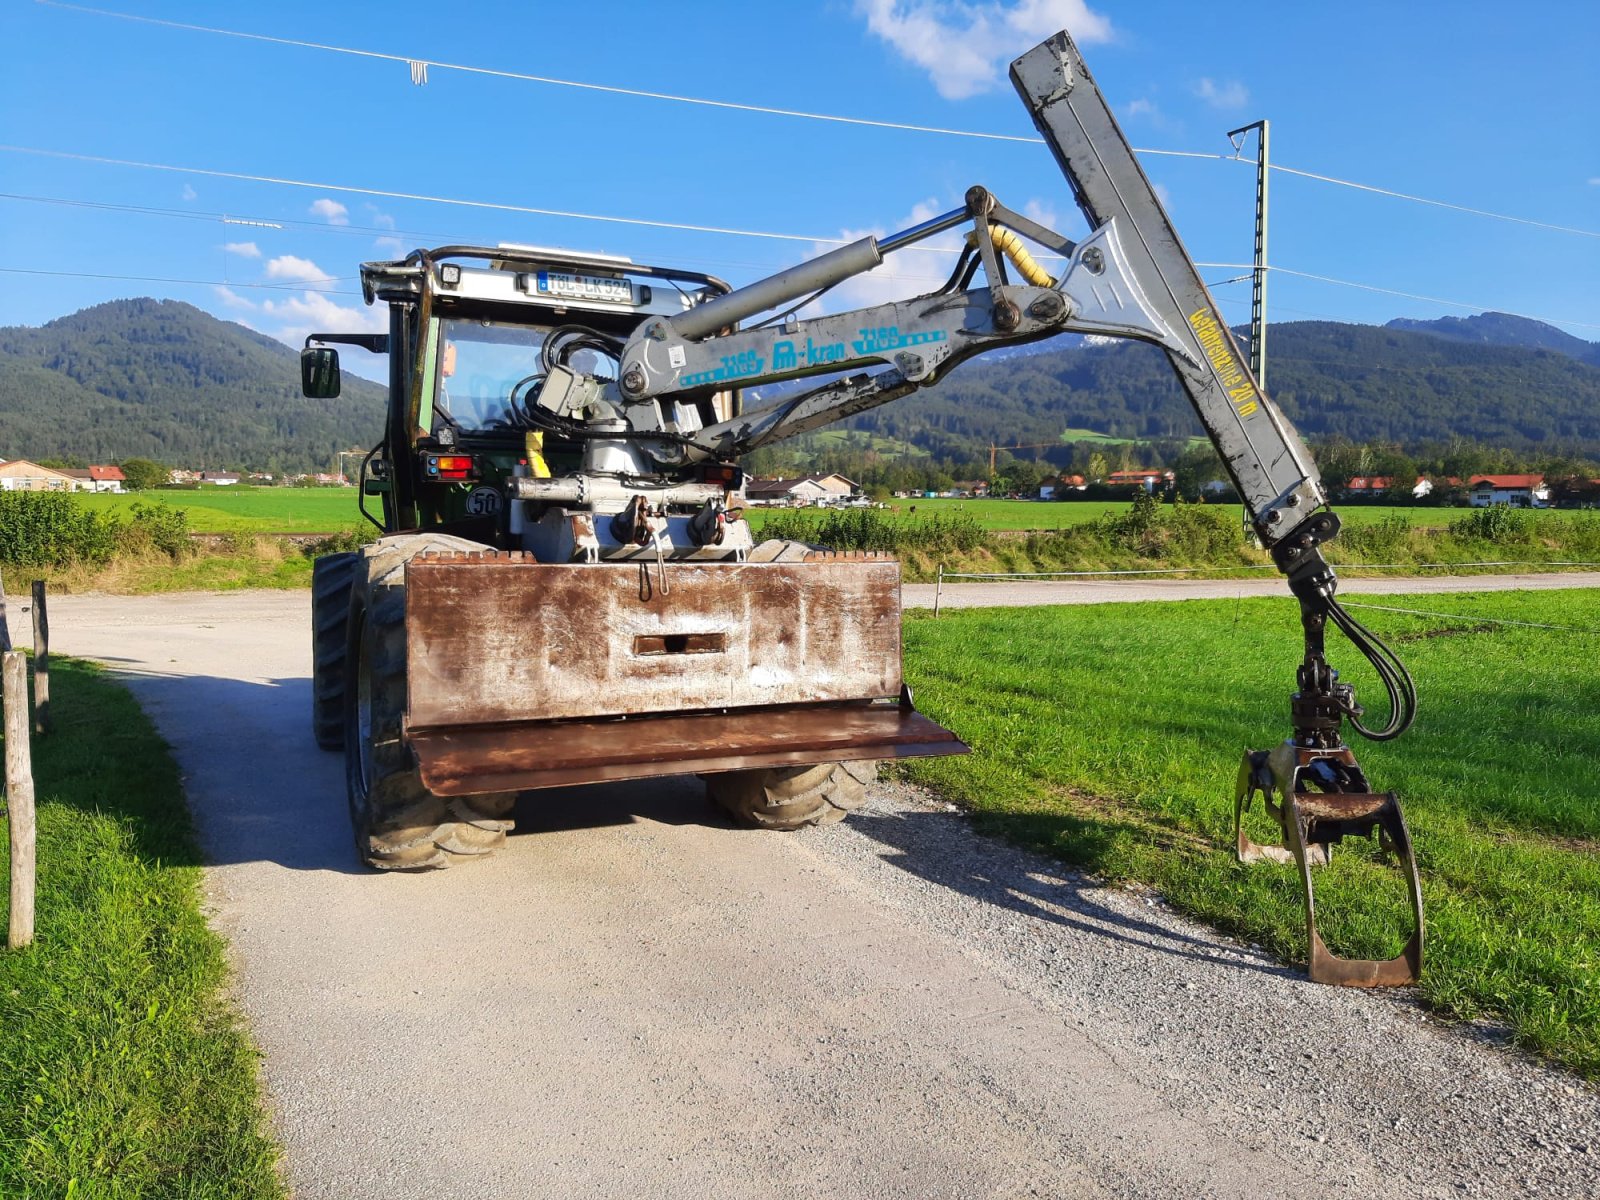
(19, 797)
(41, 660)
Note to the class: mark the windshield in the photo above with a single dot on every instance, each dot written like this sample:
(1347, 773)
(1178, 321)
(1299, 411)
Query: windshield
(481, 363)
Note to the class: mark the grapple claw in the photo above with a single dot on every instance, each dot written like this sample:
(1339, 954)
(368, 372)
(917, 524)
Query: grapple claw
(1312, 821)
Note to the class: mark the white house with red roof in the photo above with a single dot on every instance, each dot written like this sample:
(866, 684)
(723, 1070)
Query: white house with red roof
(1515, 491)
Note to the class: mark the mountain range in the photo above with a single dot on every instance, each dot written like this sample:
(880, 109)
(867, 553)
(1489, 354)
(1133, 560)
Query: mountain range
(1497, 380)
(161, 379)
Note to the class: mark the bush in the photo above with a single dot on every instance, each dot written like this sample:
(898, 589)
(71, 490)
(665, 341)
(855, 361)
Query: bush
(1499, 524)
(342, 542)
(1193, 533)
(42, 529)
(51, 529)
(1384, 541)
(164, 528)
(868, 529)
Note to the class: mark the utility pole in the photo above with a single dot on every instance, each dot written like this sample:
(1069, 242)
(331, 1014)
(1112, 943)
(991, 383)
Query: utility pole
(1258, 289)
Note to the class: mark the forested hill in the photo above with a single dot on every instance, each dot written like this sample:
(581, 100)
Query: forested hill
(161, 379)
(1364, 382)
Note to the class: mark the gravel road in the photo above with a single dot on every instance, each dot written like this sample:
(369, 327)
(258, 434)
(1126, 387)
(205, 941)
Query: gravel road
(636, 1000)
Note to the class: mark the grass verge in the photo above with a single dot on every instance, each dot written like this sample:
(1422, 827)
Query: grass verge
(123, 1068)
(1109, 737)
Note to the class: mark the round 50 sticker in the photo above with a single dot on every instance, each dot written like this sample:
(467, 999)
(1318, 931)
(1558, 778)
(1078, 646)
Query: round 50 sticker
(483, 502)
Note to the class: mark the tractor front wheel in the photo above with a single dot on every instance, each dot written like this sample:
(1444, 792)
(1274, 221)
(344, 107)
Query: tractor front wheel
(330, 612)
(791, 797)
(398, 823)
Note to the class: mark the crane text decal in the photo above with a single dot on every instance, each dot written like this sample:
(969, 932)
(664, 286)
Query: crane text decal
(889, 337)
(803, 355)
(734, 366)
(1215, 343)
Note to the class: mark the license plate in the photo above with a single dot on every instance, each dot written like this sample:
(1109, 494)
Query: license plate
(585, 287)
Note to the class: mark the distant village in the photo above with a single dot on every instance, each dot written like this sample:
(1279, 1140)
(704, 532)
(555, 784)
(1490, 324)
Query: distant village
(835, 490)
(21, 475)
(1479, 491)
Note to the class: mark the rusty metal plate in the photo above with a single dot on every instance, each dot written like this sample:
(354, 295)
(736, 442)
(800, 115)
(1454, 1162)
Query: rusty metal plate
(500, 638)
(464, 761)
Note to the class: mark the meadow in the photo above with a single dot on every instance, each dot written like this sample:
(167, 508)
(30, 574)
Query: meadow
(240, 509)
(267, 510)
(1110, 736)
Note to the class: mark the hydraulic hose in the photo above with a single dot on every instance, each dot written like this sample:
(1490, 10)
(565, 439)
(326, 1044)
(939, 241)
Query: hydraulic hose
(1013, 248)
(1391, 671)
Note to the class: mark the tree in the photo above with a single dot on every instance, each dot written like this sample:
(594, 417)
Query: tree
(141, 473)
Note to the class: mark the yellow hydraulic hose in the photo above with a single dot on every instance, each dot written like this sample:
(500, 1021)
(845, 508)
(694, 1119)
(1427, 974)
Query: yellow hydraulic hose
(1011, 246)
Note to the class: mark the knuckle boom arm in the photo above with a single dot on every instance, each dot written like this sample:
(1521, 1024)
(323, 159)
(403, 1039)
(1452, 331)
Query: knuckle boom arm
(1129, 278)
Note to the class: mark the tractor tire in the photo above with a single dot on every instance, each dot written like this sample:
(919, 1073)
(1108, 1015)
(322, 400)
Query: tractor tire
(330, 612)
(398, 823)
(791, 797)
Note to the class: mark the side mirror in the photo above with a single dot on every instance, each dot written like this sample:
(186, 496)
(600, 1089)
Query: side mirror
(319, 372)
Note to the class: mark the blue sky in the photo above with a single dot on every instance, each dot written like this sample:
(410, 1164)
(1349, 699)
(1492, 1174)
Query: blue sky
(1489, 106)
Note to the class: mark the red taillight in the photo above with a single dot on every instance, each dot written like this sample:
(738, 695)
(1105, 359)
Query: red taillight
(450, 468)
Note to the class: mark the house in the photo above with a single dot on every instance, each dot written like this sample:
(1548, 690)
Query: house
(220, 478)
(972, 487)
(20, 475)
(1517, 491)
(1372, 487)
(107, 479)
(808, 489)
(1148, 480)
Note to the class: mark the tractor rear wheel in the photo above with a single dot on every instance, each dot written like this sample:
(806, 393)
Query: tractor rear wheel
(398, 823)
(791, 797)
(330, 612)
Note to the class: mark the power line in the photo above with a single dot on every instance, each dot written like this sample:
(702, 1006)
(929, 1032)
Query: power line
(349, 189)
(413, 63)
(346, 189)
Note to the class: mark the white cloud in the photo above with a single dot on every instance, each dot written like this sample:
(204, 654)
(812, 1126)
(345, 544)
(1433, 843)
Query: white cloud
(1142, 108)
(243, 249)
(1595, 182)
(1231, 94)
(1163, 195)
(378, 217)
(189, 193)
(964, 44)
(330, 211)
(293, 318)
(392, 246)
(232, 298)
(1045, 214)
(287, 266)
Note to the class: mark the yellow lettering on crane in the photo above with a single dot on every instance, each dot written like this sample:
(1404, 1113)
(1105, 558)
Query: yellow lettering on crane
(1214, 344)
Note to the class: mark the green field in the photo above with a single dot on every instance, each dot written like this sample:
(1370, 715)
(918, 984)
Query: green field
(239, 509)
(1110, 737)
(328, 510)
